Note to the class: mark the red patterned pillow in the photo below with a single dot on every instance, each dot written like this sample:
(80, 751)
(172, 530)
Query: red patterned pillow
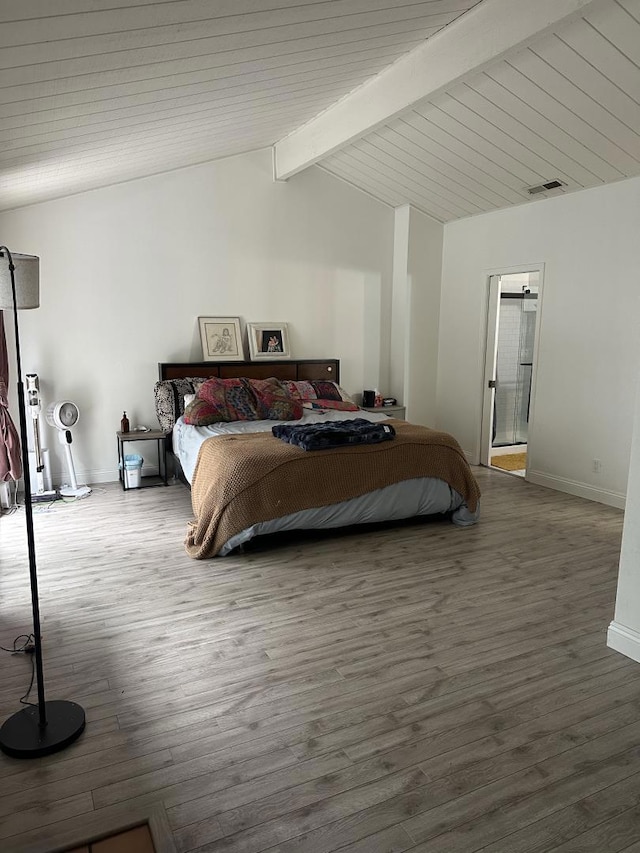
(222, 400)
(273, 400)
(299, 389)
(201, 413)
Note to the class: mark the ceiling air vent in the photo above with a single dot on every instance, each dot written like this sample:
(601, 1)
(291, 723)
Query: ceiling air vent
(543, 188)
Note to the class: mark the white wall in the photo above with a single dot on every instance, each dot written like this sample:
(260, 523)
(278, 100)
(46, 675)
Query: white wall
(624, 631)
(126, 270)
(417, 271)
(400, 306)
(425, 275)
(588, 343)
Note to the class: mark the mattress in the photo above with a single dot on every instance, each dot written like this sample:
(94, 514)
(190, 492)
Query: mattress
(420, 496)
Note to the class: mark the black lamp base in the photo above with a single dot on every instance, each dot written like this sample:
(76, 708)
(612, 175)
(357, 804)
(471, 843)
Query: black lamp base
(22, 737)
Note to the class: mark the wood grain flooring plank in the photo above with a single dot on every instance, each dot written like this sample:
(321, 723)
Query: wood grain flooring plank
(356, 827)
(502, 762)
(236, 810)
(295, 823)
(394, 840)
(504, 731)
(431, 717)
(552, 831)
(192, 771)
(451, 828)
(448, 789)
(47, 794)
(40, 816)
(395, 810)
(406, 688)
(355, 715)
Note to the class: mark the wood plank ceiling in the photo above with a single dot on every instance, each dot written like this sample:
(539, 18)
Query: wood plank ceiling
(92, 94)
(566, 108)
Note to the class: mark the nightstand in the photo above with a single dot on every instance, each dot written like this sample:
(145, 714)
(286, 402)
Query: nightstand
(159, 437)
(399, 412)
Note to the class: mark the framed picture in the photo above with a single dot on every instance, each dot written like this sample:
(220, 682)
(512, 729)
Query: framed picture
(221, 339)
(268, 341)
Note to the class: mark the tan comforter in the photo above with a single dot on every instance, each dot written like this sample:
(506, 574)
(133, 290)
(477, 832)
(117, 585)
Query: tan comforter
(240, 480)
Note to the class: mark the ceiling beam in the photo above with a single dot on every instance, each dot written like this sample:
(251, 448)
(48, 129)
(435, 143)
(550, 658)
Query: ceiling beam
(483, 35)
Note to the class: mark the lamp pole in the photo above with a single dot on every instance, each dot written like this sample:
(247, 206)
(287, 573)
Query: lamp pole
(28, 508)
(59, 722)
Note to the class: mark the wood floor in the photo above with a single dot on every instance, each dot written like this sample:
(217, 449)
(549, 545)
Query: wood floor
(420, 688)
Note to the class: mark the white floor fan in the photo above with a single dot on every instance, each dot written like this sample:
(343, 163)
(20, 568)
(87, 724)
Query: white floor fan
(63, 416)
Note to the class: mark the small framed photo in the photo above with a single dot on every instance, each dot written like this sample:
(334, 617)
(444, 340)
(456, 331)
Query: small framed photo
(221, 339)
(268, 341)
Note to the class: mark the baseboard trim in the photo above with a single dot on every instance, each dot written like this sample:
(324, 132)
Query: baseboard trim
(580, 490)
(624, 640)
(109, 475)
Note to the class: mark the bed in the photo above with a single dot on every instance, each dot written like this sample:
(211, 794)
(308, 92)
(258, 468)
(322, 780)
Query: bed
(247, 483)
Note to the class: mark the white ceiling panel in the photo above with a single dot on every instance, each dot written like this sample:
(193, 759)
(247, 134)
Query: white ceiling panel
(566, 107)
(106, 91)
(403, 145)
(94, 92)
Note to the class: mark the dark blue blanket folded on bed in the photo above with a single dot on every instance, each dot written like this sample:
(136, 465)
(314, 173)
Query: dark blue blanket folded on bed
(334, 433)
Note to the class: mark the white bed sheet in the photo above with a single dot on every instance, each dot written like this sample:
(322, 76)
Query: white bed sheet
(407, 499)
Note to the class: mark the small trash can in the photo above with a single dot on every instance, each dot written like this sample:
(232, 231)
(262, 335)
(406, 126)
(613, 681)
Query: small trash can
(132, 470)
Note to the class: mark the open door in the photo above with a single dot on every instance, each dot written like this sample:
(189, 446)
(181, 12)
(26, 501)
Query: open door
(488, 399)
(512, 327)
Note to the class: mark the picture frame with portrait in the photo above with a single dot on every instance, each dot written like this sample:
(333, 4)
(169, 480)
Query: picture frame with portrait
(221, 339)
(268, 341)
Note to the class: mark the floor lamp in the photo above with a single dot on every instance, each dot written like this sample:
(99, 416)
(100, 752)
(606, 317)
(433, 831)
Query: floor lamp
(39, 729)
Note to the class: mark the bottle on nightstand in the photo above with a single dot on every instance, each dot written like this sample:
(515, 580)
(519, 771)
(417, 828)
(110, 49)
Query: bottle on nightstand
(124, 423)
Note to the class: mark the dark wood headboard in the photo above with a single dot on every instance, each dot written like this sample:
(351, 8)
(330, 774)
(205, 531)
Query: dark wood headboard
(306, 368)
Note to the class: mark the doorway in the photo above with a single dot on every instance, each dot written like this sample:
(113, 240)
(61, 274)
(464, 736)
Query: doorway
(509, 370)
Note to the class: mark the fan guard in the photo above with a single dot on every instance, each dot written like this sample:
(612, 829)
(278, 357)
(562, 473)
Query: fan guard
(64, 415)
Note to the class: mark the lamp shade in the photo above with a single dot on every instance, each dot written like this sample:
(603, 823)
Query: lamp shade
(27, 277)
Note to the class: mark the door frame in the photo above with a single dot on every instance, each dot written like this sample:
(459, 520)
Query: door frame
(492, 309)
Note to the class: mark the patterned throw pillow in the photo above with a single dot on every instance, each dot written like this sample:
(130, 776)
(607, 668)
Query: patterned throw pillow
(317, 389)
(242, 399)
(299, 390)
(326, 390)
(169, 397)
(274, 400)
(201, 413)
(222, 400)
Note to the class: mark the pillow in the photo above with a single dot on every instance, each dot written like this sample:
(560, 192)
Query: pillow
(326, 390)
(188, 398)
(339, 405)
(299, 390)
(169, 397)
(347, 398)
(317, 389)
(202, 413)
(241, 400)
(274, 400)
(222, 400)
